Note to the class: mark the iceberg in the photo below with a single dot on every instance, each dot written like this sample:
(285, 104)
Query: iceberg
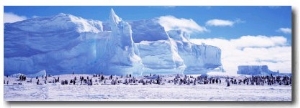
(255, 70)
(64, 44)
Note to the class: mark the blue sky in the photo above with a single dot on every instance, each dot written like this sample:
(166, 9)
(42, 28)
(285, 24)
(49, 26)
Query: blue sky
(247, 35)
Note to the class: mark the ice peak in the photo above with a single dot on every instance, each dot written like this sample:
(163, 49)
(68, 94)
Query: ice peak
(114, 17)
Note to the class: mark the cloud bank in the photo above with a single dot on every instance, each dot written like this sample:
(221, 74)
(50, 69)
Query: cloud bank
(11, 18)
(253, 50)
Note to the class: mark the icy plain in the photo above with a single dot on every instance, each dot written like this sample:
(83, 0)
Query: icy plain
(139, 92)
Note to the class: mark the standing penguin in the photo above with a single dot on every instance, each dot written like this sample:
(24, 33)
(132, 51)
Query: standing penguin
(228, 82)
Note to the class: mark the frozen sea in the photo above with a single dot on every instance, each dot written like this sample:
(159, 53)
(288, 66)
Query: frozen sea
(167, 92)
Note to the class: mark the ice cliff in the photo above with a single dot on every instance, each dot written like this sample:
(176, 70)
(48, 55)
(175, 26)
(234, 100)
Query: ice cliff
(65, 44)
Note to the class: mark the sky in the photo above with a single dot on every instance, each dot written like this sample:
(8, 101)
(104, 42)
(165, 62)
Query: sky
(247, 35)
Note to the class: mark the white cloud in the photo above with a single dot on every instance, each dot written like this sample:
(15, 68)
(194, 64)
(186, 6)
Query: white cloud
(252, 50)
(285, 30)
(188, 25)
(219, 22)
(222, 23)
(11, 18)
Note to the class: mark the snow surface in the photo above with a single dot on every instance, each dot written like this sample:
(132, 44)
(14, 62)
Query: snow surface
(64, 43)
(167, 92)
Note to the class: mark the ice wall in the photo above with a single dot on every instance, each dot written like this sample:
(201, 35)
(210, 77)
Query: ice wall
(65, 44)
